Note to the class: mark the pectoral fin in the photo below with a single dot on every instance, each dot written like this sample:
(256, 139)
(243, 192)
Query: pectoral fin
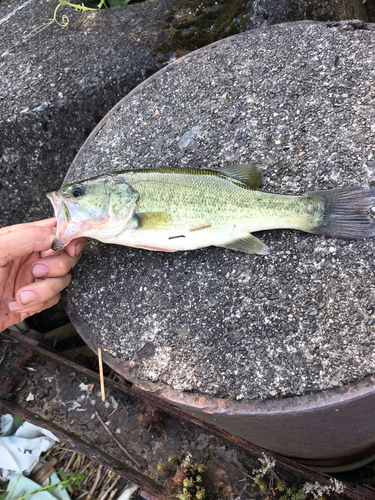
(153, 220)
(248, 174)
(250, 244)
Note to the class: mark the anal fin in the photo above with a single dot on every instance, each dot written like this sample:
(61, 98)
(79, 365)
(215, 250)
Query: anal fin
(249, 244)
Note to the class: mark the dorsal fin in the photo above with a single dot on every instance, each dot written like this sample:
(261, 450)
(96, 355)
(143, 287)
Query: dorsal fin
(248, 174)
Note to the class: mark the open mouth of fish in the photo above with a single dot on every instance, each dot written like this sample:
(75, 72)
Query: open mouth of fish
(66, 229)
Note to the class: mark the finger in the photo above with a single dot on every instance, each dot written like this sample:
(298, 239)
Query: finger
(41, 223)
(24, 242)
(46, 305)
(74, 248)
(32, 296)
(54, 266)
(47, 253)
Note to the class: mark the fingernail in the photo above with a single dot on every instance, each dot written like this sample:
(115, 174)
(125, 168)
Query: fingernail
(13, 305)
(39, 271)
(78, 249)
(26, 297)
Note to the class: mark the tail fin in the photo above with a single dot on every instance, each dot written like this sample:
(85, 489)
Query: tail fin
(346, 212)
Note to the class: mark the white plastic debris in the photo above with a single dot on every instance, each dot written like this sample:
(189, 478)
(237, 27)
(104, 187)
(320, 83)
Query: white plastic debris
(83, 386)
(21, 446)
(8, 425)
(127, 493)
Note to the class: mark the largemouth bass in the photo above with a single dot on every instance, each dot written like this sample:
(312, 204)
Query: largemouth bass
(176, 209)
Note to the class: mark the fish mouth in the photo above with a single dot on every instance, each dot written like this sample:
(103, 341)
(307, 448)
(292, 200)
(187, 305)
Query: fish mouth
(66, 229)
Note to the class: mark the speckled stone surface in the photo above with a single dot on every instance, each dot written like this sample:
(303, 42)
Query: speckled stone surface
(298, 101)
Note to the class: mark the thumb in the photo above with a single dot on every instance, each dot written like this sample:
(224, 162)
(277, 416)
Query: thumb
(24, 241)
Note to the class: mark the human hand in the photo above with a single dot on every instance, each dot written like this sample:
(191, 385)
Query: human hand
(31, 274)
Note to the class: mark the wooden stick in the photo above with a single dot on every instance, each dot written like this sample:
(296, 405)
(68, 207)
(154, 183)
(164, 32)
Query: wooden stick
(113, 493)
(202, 226)
(106, 493)
(124, 450)
(44, 472)
(67, 467)
(102, 390)
(96, 482)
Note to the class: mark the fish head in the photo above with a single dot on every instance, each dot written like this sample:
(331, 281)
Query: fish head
(100, 205)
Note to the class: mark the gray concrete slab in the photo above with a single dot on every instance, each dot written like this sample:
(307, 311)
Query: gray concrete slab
(298, 101)
(55, 87)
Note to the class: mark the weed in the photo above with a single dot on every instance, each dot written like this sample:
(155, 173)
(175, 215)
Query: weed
(162, 467)
(186, 482)
(65, 19)
(282, 491)
(66, 483)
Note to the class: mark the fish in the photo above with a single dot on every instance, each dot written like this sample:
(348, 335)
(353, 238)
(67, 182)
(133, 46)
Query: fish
(175, 209)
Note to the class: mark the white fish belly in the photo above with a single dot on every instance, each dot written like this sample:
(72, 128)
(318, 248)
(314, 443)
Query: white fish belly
(174, 240)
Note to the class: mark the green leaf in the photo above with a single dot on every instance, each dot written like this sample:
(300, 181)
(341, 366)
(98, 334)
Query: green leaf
(18, 419)
(70, 489)
(78, 483)
(72, 475)
(63, 476)
(4, 495)
(117, 3)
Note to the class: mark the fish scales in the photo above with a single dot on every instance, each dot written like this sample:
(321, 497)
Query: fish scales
(192, 201)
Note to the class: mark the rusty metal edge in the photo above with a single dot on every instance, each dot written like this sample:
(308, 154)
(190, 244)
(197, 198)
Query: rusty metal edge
(209, 404)
(134, 391)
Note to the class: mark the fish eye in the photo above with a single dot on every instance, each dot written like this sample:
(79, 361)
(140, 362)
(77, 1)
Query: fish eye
(77, 191)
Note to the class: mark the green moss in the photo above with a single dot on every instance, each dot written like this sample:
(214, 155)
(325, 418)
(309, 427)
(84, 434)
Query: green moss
(195, 23)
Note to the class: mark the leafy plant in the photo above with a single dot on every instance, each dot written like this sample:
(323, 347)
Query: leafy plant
(64, 18)
(282, 491)
(161, 467)
(66, 483)
(19, 420)
(187, 479)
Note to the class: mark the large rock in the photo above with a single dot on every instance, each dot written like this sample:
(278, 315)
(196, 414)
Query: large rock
(298, 101)
(55, 86)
